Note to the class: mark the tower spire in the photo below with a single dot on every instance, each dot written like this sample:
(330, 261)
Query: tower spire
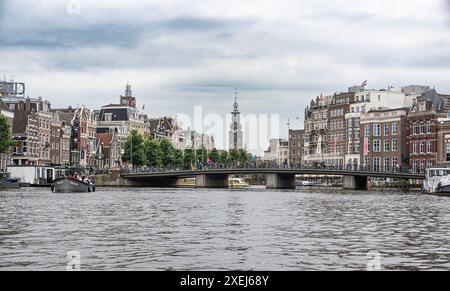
(235, 105)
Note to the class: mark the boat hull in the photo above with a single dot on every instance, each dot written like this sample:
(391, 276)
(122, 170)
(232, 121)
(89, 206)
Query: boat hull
(71, 186)
(444, 189)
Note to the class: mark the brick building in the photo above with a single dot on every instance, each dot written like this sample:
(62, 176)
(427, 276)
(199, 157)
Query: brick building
(296, 147)
(423, 130)
(336, 133)
(383, 133)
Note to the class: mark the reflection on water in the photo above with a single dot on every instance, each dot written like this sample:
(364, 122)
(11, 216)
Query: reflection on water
(253, 229)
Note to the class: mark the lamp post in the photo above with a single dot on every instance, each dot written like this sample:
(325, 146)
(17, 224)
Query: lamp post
(289, 142)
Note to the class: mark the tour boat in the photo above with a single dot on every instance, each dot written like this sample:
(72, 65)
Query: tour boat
(237, 182)
(437, 181)
(232, 182)
(186, 182)
(67, 185)
(7, 182)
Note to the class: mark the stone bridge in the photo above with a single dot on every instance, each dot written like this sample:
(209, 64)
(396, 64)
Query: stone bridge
(276, 178)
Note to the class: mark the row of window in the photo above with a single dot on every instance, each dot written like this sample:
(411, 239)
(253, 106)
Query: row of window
(387, 146)
(388, 165)
(388, 129)
(421, 128)
(422, 147)
(419, 166)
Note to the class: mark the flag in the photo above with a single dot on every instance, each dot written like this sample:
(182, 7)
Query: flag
(366, 146)
(364, 84)
(143, 107)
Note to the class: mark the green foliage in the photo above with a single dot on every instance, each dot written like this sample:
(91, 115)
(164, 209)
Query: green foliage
(134, 149)
(168, 153)
(202, 155)
(223, 157)
(179, 158)
(189, 158)
(6, 141)
(153, 153)
(214, 155)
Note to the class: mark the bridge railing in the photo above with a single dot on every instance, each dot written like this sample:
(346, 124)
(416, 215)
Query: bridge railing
(349, 168)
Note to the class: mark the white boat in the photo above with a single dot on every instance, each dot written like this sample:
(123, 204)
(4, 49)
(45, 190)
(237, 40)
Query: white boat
(232, 182)
(437, 181)
(237, 182)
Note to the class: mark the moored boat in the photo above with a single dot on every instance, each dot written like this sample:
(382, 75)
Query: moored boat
(437, 181)
(67, 185)
(7, 182)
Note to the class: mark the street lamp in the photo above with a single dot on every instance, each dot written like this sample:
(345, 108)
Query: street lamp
(289, 142)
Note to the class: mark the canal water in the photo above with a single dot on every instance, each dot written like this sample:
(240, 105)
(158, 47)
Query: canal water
(251, 229)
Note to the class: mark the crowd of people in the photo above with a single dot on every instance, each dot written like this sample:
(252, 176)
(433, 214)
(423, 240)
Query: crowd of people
(84, 179)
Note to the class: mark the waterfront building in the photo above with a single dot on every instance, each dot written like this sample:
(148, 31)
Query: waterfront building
(444, 140)
(315, 148)
(423, 129)
(270, 155)
(167, 128)
(123, 118)
(282, 155)
(235, 133)
(337, 128)
(196, 140)
(31, 131)
(109, 153)
(296, 147)
(366, 100)
(383, 135)
(5, 159)
(55, 140)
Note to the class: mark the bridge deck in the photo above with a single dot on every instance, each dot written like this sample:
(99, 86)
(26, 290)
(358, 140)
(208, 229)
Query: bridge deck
(265, 171)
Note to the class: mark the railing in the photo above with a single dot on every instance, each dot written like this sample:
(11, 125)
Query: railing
(269, 165)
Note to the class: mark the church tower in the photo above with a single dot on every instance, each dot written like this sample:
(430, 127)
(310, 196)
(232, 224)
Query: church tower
(235, 134)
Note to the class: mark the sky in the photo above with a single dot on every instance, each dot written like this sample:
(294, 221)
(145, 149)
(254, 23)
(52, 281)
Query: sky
(179, 54)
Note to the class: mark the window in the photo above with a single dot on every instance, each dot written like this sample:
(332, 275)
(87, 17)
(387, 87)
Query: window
(415, 166)
(376, 164)
(429, 146)
(429, 164)
(386, 145)
(386, 129)
(415, 147)
(386, 164)
(376, 146)
(376, 129)
(422, 128)
(429, 127)
(367, 131)
(447, 151)
(395, 165)
(422, 167)
(415, 128)
(394, 128)
(422, 147)
(394, 145)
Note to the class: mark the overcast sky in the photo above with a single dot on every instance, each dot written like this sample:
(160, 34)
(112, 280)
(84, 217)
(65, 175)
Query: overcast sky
(177, 54)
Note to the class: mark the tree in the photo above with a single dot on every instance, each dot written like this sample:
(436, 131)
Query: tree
(189, 159)
(168, 152)
(244, 156)
(223, 158)
(6, 141)
(201, 155)
(134, 149)
(179, 159)
(153, 153)
(214, 155)
(233, 156)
